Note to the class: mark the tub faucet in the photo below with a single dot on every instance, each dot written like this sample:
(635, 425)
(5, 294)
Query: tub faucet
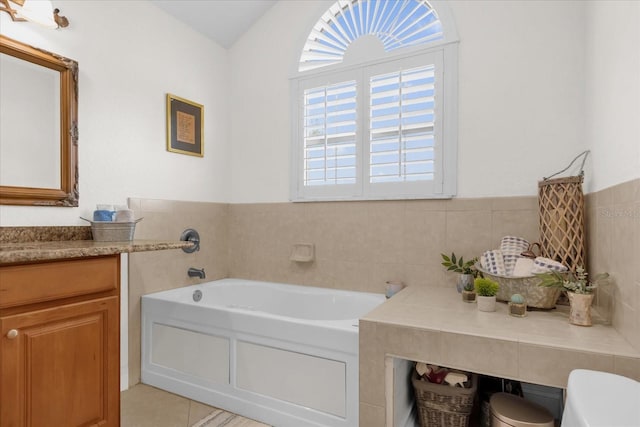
(196, 272)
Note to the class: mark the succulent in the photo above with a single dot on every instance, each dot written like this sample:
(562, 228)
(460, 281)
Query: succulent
(469, 286)
(459, 265)
(573, 282)
(486, 287)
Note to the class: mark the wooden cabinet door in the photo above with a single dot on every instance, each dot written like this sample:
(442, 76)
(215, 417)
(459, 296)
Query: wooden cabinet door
(60, 366)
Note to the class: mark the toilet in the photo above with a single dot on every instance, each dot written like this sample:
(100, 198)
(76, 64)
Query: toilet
(601, 399)
(508, 410)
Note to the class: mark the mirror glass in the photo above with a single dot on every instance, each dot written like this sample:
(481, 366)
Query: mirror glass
(29, 143)
(38, 126)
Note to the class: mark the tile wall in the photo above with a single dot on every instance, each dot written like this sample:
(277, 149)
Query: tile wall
(361, 245)
(613, 239)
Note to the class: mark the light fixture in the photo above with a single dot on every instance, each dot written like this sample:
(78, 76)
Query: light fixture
(38, 11)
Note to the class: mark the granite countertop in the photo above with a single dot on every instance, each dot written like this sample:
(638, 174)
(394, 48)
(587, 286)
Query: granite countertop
(11, 253)
(442, 309)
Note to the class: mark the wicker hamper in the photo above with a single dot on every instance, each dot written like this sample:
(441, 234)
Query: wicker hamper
(441, 405)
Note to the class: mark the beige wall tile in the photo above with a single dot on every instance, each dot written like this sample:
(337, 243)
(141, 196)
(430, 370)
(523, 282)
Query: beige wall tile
(479, 354)
(371, 416)
(627, 366)
(514, 203)
(521, 223)
(371, 366)
(468, 232)
(551, 366)
(424, 237)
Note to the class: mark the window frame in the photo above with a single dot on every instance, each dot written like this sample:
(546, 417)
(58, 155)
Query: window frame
(444, 185)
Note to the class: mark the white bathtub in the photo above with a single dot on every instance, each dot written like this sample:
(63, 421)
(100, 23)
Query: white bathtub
(282, 354)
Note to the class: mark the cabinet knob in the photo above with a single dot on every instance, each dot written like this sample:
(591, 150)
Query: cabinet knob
(13, 333)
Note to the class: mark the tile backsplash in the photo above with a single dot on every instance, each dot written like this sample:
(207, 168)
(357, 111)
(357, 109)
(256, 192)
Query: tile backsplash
(361, 245)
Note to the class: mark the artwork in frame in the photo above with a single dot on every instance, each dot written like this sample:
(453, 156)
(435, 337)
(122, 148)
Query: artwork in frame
(185, 126)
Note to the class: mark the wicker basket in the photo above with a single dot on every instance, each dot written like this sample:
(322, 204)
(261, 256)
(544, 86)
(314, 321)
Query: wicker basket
(442, 405)
(108, 231)
(561, 208)
(527, 286)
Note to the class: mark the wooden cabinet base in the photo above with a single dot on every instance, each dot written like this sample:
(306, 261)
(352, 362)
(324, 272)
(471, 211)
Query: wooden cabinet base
(59, 365)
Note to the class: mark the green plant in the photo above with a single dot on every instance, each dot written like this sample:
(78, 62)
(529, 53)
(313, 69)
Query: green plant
(486, 287)
(469, 286)
(459, 265)
(573, 282)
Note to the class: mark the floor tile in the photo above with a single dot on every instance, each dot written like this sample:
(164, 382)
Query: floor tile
(146, 406)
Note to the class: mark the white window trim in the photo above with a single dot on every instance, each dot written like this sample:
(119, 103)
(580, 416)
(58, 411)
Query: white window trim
(445, 189)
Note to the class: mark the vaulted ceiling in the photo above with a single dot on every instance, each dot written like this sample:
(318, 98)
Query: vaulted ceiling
(224, 21)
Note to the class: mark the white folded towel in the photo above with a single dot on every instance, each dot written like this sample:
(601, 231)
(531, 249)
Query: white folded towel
(544, 265)
(523, 267)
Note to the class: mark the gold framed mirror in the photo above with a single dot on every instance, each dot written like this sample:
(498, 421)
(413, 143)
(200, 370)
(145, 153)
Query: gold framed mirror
(38, 126)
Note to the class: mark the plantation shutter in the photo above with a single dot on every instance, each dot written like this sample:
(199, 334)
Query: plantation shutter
(401, 125)
(330, 134)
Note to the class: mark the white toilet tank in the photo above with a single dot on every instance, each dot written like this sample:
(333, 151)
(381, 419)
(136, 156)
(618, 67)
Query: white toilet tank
(601, 399)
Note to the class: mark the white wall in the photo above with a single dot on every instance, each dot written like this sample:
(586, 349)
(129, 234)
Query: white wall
(130, 55)
(613, 91)
(521, 97)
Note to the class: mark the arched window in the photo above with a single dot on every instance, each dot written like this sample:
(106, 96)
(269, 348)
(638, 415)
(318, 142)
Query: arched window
(396, 24)
(374, 110)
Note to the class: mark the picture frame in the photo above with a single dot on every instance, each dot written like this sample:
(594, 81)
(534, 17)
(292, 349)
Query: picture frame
(185, 126)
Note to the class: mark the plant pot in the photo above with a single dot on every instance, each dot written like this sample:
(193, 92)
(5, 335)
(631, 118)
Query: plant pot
(486, 303)
(468, 296)
(580, 308)
(464, 280)
(517, 309)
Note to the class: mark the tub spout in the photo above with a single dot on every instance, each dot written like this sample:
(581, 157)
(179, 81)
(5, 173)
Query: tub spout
(196, 272)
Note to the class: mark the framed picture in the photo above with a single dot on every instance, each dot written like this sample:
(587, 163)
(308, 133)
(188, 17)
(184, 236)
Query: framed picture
(185, 126)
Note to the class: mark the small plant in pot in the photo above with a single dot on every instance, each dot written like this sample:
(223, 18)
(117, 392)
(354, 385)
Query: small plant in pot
(579, 290)
(466, 269)
(469, 292)
(486, 290)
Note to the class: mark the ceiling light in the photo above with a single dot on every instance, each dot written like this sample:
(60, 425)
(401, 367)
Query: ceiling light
(38, 11)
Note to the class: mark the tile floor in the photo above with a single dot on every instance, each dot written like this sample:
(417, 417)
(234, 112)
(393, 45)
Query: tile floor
(146, 406)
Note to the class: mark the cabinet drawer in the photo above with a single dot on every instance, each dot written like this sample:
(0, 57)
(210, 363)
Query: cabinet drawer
(32, 283)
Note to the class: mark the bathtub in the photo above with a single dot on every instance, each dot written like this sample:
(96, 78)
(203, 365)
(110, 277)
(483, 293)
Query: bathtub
(285, 355)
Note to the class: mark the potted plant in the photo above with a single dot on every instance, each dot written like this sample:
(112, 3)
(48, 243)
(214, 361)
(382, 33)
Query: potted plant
(486, 290)
(579, 290)
(469, 292)
(465, 268)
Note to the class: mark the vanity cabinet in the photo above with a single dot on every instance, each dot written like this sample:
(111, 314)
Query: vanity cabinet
(59, 354)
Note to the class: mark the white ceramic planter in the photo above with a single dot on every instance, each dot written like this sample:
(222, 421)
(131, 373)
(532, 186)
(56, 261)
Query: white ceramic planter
(486, 303)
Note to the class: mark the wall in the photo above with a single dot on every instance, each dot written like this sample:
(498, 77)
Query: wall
(130, 55)
(613, 135)
(612, 38)
(521, 95)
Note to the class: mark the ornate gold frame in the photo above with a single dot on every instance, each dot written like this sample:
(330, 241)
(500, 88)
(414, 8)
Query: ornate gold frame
(67, 194)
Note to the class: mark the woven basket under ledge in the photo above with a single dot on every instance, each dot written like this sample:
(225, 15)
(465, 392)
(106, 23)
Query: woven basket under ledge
(441, 405)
